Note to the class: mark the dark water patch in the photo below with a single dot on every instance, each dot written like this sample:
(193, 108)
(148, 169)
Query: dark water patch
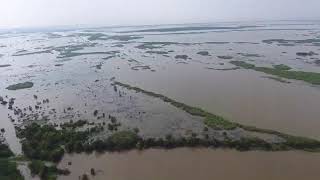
(195, 28)
(108, 57)
(254, 43)
(53, 35)
(157, 52)
(4, 65)
(225, 57)
(71, 48)
(250, 55)
(203, 53)
(181, 62)
(285, 42)
(21, 51)
(137, 68)
(32, 66)
(155, 45)
(289, 45)
(277, 79)
(174, 33)
(99, 66)
(118, 45)
(31, 53)
(309, 77)
(124, 37)
(148, 46)
(217, 42)
(101, 36)
(91, 36)
(223, 69)
(18, 86)
(133, 60)
(64, 60)
(58, 65)
(304, 54)
(184, 57)
(74, 54)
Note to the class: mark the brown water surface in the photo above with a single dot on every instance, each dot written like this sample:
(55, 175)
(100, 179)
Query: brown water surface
(190, 164)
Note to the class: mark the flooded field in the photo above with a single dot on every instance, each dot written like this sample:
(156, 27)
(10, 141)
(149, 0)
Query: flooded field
(195, 164)
(220, 84)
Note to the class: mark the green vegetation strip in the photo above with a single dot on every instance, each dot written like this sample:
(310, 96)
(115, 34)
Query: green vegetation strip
(218, 122)
(282, 71)
(8, 168)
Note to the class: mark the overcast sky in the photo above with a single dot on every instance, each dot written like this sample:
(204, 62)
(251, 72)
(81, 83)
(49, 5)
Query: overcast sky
(30, 13)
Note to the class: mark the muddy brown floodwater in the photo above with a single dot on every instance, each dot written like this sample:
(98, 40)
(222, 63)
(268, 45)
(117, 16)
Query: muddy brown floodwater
(200, 163)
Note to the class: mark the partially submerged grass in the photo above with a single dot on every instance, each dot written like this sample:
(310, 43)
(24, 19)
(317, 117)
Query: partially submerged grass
(291, 142)
(220, 123)
(214, 121)
(282, 71)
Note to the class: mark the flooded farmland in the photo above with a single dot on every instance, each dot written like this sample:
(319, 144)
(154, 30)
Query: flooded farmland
(234, 86)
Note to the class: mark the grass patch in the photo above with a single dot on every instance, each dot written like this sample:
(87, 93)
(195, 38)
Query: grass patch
(123, 140)
(217, 122)
(282, 71)
(282, 67)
